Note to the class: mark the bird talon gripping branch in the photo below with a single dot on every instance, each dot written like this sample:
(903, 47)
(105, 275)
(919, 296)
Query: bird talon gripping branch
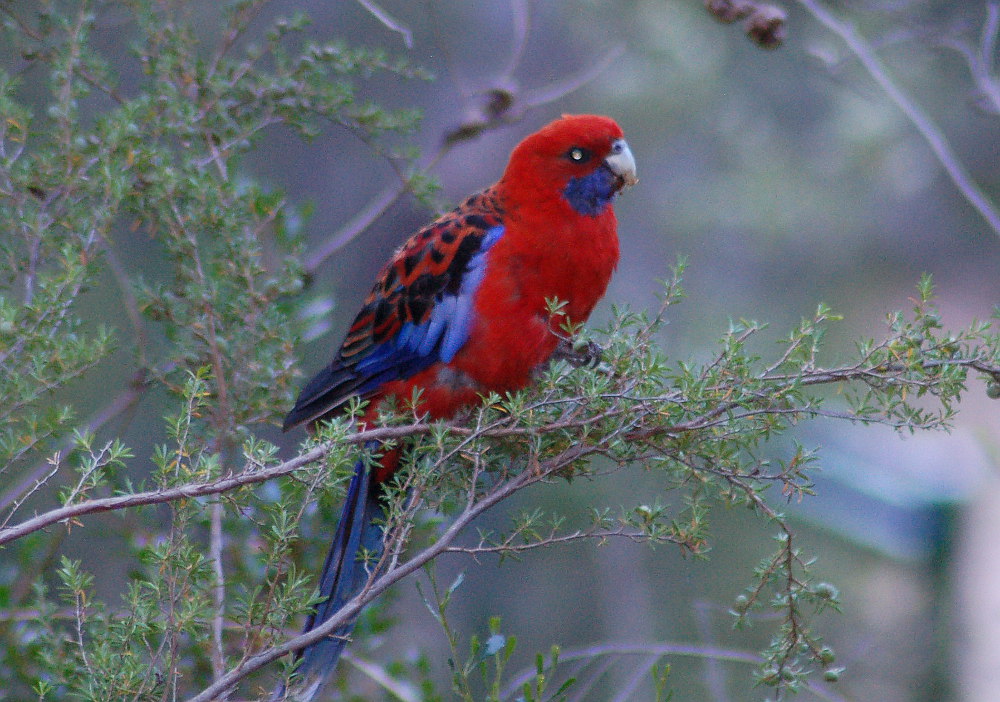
(578, 354)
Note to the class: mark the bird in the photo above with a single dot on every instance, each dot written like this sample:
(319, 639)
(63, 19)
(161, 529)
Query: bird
(463, 308)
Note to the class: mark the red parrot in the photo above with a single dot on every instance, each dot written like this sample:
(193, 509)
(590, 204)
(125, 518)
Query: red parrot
(459, 311)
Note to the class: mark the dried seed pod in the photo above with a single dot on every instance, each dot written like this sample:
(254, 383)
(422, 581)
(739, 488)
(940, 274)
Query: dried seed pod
(766, 26)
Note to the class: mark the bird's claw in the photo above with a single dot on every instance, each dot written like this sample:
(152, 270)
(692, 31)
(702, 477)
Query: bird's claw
(578, 353)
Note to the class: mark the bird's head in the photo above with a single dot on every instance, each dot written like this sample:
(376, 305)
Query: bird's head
(583, 159)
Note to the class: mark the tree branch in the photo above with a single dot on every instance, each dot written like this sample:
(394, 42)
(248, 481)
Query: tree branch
(924, 125)
(383, 582)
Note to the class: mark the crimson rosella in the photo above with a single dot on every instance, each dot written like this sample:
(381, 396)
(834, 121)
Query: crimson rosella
(461, 310)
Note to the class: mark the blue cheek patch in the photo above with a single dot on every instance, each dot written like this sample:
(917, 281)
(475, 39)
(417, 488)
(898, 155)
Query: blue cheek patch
(590, 194)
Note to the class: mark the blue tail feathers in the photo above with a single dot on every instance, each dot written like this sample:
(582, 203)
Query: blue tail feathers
(359, 528)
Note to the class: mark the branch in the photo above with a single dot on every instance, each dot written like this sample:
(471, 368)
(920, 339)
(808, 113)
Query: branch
(384, 582)
(926, 127)
(638, 408)
(124, 402)
(980, 58)
(508, 547)
(152, 497)
(218, 652)
(390, 23)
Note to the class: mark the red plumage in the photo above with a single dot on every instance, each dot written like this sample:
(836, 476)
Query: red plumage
(462, 309)
(548, 250)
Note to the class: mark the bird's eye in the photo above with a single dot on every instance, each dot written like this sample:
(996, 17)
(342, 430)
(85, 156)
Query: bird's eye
(578, 154)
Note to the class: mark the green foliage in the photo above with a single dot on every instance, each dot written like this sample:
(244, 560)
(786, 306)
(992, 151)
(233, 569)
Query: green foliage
(216, 524)
(86, 165)
(482, 675)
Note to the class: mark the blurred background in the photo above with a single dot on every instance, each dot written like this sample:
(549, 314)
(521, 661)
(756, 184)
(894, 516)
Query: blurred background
(788, 178)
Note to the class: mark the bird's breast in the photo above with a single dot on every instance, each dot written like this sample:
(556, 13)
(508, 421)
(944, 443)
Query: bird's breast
(513, 332)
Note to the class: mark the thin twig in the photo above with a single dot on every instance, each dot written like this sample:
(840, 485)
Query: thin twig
(400, 689)
(509, 547)
(124, 402)
(219, 590)
(627, 691)
(934, 137)
(521, 19)
(599, 651)
(561, 88)
(988, 83)
(390, 23)
(353, 228)
(356, 604)
(980, 58)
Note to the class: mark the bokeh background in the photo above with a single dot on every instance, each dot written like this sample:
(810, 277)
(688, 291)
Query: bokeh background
(787, 178)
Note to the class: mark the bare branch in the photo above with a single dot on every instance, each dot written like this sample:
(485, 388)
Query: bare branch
(219, 591)
(522, 29)
(508, 547)
(151, 497)
(924, 125)
(560, 89)
(980, 58)
(401, 689)
(383, 582)
(389, 22)
(357, 225)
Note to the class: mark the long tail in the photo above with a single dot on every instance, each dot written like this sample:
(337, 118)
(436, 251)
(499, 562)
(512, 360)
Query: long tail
(342, 578)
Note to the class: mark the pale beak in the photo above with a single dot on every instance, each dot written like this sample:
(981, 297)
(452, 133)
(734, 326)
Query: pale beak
(622, 163)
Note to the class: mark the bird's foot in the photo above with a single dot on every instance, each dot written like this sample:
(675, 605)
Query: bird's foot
(578, 352)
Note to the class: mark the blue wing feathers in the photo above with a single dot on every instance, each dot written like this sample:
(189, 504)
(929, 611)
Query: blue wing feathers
(419, 313)
(460, 317)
